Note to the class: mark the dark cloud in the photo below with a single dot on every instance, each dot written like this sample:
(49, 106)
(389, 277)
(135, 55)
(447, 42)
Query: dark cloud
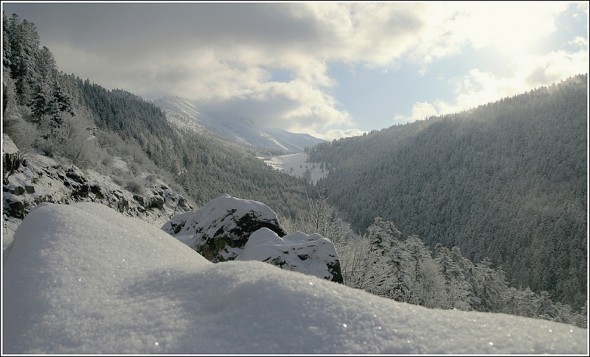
(122, 28)
(266, 111)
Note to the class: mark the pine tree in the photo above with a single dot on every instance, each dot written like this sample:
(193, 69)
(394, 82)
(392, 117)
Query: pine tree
(23, 42)
(451, 264)
(490, 286)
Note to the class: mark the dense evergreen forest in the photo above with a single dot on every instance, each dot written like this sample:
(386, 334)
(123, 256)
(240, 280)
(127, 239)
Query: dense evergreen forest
(58, 113)
(506, 181)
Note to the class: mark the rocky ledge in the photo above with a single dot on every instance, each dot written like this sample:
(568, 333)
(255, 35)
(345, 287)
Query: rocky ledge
(34, 178)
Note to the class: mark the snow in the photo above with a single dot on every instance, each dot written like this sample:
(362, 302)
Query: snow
(82, 278)
(219, 213)
(296, 165)
(8, 146)
(44, 179)
(120, 164)
(308, 254)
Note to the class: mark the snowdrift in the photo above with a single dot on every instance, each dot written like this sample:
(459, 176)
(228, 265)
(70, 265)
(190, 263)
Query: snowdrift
(82, 278)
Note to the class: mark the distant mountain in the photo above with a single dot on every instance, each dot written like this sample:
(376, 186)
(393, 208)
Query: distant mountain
(184, 112)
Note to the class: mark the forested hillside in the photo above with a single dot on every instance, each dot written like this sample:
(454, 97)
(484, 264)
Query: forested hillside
(505, 181)
(61, 114)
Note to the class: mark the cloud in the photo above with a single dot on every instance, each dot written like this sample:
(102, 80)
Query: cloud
(293, 105)
(513, 28)
(479, 87)
(423, 110)
(223, 55)
(510, 43)
(335, 134)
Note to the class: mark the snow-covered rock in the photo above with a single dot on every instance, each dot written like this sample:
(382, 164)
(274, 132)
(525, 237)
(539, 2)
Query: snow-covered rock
(220, 229)
(84, 279)
(44, 179)
(308, 254)
(11, 158)
(229, 228)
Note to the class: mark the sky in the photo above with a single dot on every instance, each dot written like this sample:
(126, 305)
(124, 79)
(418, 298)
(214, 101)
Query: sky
(329, 69)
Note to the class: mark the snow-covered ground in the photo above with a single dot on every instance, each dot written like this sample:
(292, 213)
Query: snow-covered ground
(82, 278)
(296, 165)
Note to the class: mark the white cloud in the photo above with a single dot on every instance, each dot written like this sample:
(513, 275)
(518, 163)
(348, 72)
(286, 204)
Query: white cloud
(579, 42)
(422, 110)
(513, 27)
(512, 44)
(222, 54)
(554, 66)
(293, 105)
(335, 134)
(479, 87)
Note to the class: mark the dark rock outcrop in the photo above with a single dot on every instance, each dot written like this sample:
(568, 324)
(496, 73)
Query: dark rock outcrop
(11, 157)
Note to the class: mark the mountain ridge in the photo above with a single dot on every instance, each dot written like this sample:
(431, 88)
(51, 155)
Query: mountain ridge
(505, 180)
(242, 131)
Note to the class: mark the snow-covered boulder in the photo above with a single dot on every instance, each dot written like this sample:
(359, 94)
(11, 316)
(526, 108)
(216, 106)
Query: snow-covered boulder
(230, 228)
(84, 279)
(220, 229)
(309, 254)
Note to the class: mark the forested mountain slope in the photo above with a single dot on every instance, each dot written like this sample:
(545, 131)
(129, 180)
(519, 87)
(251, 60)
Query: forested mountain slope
(506, 181)
(203, 165)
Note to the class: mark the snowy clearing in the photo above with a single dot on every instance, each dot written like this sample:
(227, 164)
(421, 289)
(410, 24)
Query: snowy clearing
(296, 165)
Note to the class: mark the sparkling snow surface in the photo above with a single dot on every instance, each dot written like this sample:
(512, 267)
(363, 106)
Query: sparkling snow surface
(83, 278)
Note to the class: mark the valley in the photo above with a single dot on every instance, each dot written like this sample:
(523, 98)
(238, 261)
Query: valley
(177, 225)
